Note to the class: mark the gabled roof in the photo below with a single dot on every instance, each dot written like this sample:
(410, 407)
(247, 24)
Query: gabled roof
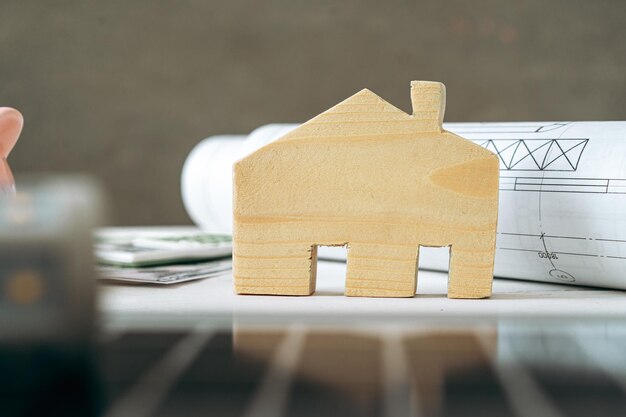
(364, 113)
(364, 106)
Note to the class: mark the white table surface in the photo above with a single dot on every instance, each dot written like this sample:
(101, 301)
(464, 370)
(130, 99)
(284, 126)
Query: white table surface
(215, 296)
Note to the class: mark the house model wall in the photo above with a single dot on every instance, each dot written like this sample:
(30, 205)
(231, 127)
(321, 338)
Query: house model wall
(371, 177)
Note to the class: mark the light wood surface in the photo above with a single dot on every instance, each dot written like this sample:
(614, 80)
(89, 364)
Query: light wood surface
(368, 176)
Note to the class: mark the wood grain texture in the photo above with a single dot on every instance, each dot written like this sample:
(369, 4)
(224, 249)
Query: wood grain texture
(368, 176)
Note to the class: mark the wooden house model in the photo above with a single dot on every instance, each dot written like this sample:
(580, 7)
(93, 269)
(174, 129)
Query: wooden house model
(371, 177)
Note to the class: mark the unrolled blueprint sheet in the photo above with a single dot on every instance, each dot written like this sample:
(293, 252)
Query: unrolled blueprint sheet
(562, 213)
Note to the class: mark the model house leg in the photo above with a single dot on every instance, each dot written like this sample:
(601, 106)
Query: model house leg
(384, 271)
(471, 272)
(285, 269)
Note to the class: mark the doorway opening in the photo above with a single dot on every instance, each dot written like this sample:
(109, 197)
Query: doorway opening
(331, 275)
(433, 259)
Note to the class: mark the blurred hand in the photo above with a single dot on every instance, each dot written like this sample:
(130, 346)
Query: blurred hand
(11, 123)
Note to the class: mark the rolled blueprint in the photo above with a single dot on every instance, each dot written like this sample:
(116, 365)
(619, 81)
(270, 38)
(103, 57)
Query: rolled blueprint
(562, 211)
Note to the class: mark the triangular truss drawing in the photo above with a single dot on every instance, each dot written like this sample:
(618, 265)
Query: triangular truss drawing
(537, 154)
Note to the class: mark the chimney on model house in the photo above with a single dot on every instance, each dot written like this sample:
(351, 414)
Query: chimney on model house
(429, 103)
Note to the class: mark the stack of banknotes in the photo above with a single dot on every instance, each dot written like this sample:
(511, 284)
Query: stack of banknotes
(161, 257)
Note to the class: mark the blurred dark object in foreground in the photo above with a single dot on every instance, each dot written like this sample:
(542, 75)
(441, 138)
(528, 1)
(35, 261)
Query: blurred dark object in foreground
(48, 381)
(47, 298)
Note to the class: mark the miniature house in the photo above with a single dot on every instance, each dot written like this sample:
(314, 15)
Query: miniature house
(371, 177)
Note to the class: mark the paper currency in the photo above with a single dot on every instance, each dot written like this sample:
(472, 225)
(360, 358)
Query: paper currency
(149, 250)
(166, 275)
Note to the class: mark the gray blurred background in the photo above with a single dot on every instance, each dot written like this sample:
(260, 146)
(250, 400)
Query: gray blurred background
(124, 89)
